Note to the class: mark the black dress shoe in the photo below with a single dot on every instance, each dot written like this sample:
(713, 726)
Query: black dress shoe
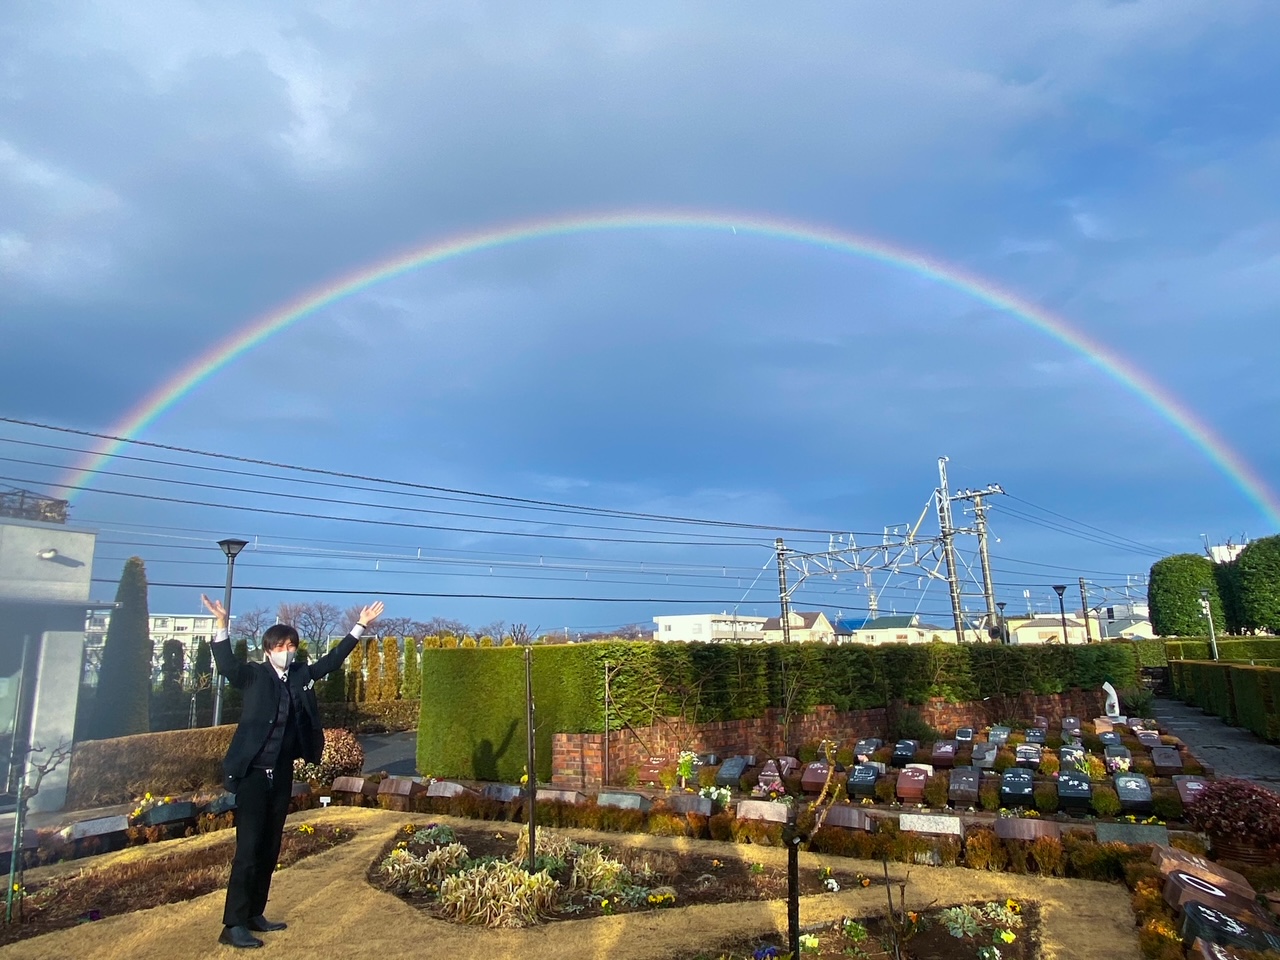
(262, 925)
(238, 937)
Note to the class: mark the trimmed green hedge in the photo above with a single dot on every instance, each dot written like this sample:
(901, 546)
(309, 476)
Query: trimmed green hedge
(1242, 695)
(472, 722)
(1229, 648)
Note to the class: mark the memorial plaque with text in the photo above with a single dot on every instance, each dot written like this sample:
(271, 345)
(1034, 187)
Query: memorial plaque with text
(964, 734)
(1148, 739)
(999, 735)
(355, 785)
(1036, 735)
(98, 827)
(904, 751)
(862, 781)
(1027, 755)
(1218, 926)
(769, 775)
(1074, 792)
(911, 783)
(182, 812)
(1118, 759)
(1134, 791)
(561, 796)
(814, 776)
(984, 755)
(731, 772)
(944, 754)
(926, 767)
(964, 786)
(447, 789)
(1182, 887)
(1167, 760)
(863, 749)
(1131, 833)
(1170, 859)
(1071, 725)
(1071, 757)
(1026, 828)
(1017, 788)
(1110, 738)
(1190, 788)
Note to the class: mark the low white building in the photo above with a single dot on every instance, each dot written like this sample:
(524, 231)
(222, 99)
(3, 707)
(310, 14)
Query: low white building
(901, 628)
(188, 629)
(708, 628)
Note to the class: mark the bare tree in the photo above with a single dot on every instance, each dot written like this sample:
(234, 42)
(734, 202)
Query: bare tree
(394, 627)
(316, 621)
(521, 634)
(250, 625)
(438, 626)
(30, 786)
(497, 630)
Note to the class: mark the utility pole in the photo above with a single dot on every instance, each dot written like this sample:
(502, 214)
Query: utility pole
(948, 547)
(1084, 610)
(988, 588)
(873, 601)
(781, 549)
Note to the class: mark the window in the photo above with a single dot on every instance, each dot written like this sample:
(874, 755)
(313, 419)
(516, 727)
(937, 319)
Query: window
(98, 622)
(160, 623)
(697, 628)
(903, 636)
(667, 627)
(199, 638)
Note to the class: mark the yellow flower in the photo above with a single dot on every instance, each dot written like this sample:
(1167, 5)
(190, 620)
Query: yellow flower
(1006, 936)
(1013, 905)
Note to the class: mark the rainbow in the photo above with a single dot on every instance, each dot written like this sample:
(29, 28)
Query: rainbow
(254, 333)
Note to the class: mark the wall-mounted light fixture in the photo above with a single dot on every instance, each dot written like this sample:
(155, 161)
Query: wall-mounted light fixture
(48, 554)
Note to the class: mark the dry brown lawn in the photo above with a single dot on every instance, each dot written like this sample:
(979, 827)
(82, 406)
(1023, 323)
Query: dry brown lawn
(333, 912)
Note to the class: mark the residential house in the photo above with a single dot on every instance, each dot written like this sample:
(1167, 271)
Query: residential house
(803, 628)
(708, 628)
(903, 628)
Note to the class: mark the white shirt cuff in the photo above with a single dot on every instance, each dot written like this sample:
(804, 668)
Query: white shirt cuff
(357, 631)
(222, 636)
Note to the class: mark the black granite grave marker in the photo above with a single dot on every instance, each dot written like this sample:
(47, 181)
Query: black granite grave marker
(964, 734)
(1218, 926)
(863, 749)
(502, 792)
(1148, 739)
(1110, 738)
(1071, 757)
(1118, 758)
(964, 786)
(1074, 792)
(1037, 736)
(1027, 755)
(731, 772)
(1016, 788)
(1134, 791)
(167, 813)
(1071, 725)
(625, 801)
(999, 735)
(862, 781)
(691, 803)
(904, 752)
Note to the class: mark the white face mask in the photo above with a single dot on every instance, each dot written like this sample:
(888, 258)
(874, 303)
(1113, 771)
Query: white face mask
(282, 657)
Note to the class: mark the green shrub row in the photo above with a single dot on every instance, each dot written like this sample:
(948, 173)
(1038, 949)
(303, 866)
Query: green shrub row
(473, 715)
(1229, 648)
(1245, 696)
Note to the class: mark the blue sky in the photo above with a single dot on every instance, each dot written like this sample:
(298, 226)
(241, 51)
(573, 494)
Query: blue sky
(169, 172)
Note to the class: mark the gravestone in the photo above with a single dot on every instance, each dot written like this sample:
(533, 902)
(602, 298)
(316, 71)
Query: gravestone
(502, 792)
(166, 813)
(1036, 735)
(731, 772)
(926, 767)
(1026, 828)
(1148, 739)
(397, 793)
(650, 770)
(911, 784)
(999, 736)
(1167, 760)
(447, 789)
(849, 818)
(1203, 950)
(552, 795)
(691, 803)
(1218, 926)
(964, 787)
(814, 776)
(862, 781)
(863, 749)
(1074, 792)
(1131, 833)
(108, 832)
(944, 754)
(1110, 739)
(1134, 791)
(1102, 725)
(984, 755)
(626, 801)
(300, 789)
(1041, 722)
(1189, 788)
(1118, 759)
(707, 760)
(1071, 757)
(1017, 788)
(770, 778)
(931, 823)
(224, 803)
(30, 841)
(1071, 726)
(1027, 755)
(768, 810)
(1182, 887)
(749, 758)
(964, 734)
(1170, 859)
(350, 787)
(904, 751)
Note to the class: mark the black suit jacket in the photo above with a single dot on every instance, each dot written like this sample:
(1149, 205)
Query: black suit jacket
(259, 682)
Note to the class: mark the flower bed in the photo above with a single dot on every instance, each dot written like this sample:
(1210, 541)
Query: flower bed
(116, 888)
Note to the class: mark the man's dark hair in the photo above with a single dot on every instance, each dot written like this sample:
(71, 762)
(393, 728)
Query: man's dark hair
(278, 636)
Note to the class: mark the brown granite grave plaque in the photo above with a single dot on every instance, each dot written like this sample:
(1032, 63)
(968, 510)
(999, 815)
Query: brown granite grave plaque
(1170, 860)
(1026, 828)
(944, 754)
(814, 777)
(850, 818)
(1181, 888)
(1167, 760)
(911, 783)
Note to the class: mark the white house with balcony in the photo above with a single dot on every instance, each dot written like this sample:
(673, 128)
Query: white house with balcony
(708, 628)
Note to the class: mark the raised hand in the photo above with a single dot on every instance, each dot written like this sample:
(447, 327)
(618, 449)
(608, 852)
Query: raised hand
(217, 609)
(370, 613)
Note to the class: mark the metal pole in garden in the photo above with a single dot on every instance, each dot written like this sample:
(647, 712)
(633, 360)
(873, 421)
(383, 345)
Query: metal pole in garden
(1208, 612)
(531, 777)
(18, 760)
(792, 836)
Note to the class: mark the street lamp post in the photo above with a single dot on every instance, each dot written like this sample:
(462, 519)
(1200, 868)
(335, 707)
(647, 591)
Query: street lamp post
(1208, 614)
(1060, 589)
(231, 547)
(1004, 627)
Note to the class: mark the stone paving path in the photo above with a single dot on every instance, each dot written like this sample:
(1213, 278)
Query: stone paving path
(1230, 751)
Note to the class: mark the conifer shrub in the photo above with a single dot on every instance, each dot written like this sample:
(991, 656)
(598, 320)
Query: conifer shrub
(1049, 856)
(983, 850)
(1105, 802)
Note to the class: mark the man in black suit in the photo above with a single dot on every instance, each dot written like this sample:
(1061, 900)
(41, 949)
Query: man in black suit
(280, 722)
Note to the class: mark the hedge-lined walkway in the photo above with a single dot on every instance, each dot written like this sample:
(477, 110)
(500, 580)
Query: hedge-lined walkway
(1230, 751)
(333, 912)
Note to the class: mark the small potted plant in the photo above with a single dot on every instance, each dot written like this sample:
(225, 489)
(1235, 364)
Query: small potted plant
(1241, 818)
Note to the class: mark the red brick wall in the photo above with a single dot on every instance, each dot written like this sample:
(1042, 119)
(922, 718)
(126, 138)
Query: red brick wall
(578, 758)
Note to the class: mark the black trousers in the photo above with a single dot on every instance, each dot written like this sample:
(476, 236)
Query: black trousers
(262, 803)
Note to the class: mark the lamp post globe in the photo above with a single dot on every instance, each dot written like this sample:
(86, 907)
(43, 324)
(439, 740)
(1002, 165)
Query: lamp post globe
(1060, 589)
(231, 547)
